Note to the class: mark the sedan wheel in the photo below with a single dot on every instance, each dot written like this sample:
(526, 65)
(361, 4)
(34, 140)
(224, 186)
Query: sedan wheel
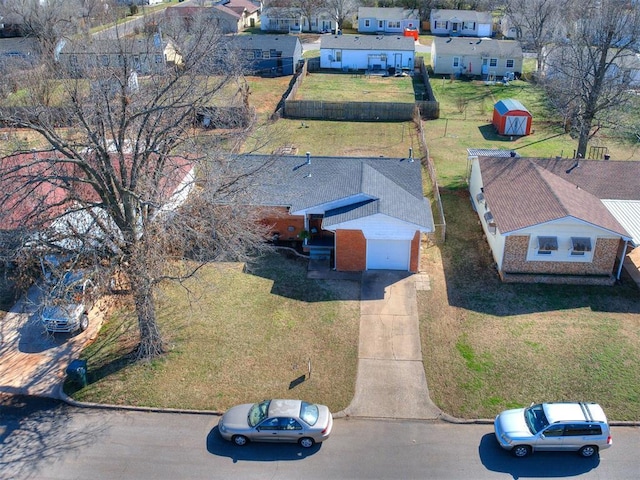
(306, 442)
(588, 451)
(240, 440)
(521, 451)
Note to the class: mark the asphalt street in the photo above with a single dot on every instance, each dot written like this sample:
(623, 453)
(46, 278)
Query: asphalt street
(46, 440)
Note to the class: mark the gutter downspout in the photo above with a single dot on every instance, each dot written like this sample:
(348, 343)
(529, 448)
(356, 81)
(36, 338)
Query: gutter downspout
(624, 254)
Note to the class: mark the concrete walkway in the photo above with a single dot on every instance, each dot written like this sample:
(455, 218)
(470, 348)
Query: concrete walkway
(391, 382)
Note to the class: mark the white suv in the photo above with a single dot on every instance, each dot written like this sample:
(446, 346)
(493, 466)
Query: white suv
(66, 307)
(579, 427)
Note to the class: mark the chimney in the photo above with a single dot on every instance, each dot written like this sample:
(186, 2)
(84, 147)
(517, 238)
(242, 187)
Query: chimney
(411, 154)
(308, 158)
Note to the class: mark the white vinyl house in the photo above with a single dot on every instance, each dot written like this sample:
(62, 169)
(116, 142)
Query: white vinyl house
(367, 52)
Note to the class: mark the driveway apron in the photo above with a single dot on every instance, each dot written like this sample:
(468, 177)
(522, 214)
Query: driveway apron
(391, 382)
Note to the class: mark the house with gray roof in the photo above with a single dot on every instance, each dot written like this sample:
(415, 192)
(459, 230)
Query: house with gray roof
(367, 52)
(557, 220)
(387, 19)
(476, 57)
(270, 55)
(466, 23)
(363, 213)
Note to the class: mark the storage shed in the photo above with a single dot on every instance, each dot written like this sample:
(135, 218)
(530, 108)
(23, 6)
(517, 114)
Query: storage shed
(510, 117)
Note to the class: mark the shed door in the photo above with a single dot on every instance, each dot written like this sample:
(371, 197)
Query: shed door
(515, 125)
(388, 254)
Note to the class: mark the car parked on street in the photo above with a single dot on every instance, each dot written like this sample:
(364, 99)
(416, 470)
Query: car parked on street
(292, 421)
(563, 426)
(65, 307)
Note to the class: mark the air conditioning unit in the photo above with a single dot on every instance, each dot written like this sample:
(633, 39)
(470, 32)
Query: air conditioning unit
(480, 197)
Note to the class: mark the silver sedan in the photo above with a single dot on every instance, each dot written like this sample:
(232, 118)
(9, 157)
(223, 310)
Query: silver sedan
(292, 421)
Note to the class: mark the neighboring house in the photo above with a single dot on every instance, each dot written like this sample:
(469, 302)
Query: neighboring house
(18, 53)
(367, 52)
(557, 220)
(475, 56)
(36, 204)
(464, 23)
(270, 55)
(387, 20)
(292, 20)
(364, 213)
(145, 56)
(230, 16)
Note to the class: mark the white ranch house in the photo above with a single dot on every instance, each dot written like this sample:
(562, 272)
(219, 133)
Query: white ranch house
(466, 23)
(367, 52)
(387, 20)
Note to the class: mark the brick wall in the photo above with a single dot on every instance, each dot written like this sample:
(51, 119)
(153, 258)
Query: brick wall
(280, 221)
(515, 254)
(414, 262)
(351, 251)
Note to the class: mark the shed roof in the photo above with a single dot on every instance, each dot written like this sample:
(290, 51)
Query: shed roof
(368, 42)
(509, 105)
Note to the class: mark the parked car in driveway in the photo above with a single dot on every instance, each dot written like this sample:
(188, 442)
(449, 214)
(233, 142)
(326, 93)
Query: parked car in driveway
(292, 421)
(564, 426)
(65, 307)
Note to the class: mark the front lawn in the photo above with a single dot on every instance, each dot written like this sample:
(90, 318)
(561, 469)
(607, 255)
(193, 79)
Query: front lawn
(235, 337)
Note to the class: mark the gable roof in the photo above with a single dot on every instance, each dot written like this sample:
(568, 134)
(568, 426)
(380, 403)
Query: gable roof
(524, 192)
(463, 15)
(387, 13)
(345, 188)
(509, 105)
(368, 42)
(477, 47)
(286, 44)
(240, 6)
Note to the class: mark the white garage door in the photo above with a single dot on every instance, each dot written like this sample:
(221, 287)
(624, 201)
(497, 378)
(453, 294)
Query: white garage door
(388, 254)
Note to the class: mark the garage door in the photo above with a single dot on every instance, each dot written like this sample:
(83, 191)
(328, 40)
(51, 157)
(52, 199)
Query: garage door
(388, 254)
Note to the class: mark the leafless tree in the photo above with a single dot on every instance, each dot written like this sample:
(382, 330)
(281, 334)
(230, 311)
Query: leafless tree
(120, 150)
(45, 20)
(587, 74)
(341, 10)
(537, 23)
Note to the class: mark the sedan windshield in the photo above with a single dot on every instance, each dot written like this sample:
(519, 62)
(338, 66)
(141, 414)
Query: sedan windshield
(258, 412)
(535, 418)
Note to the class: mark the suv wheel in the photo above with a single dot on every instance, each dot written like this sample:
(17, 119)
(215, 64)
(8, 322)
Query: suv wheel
(84, 322)
(521, 450)
(588, 451)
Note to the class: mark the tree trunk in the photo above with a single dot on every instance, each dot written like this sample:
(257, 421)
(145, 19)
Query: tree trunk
(151, 344)
(583, 139)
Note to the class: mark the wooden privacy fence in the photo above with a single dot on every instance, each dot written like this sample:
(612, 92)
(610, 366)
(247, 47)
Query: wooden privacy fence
(349, 111)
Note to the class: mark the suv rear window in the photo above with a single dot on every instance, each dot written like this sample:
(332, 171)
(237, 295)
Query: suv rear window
(582, 430)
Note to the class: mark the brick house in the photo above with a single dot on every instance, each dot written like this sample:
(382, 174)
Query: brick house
(555, 220)
(363, 213)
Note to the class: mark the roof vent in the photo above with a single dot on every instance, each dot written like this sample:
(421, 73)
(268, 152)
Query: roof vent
(308, 158)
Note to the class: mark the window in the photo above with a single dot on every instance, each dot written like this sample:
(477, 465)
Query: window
(580, 430)
(288, 423)
(554, 431)
(367, 23)
(270, 424)
(121, 61)
(469, 25)
(440, 24)
(338, 55)
(456, 62)
(580, 245)
(265, 54)
(104, 60)
(493, 62)
(158, 58)
(393, 24)
(510, 63)
(380, 24)
(546, 245)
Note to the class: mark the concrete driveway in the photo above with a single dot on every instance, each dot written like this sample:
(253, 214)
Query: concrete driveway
(32, 361)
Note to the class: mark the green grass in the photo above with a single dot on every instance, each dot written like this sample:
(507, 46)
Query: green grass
(235, 337)
(348, 88)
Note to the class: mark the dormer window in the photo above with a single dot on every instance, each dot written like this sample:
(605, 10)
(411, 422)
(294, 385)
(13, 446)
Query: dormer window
(580, 245)
(547, 245)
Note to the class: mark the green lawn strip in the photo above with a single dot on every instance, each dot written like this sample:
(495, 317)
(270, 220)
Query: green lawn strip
(236, 337)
